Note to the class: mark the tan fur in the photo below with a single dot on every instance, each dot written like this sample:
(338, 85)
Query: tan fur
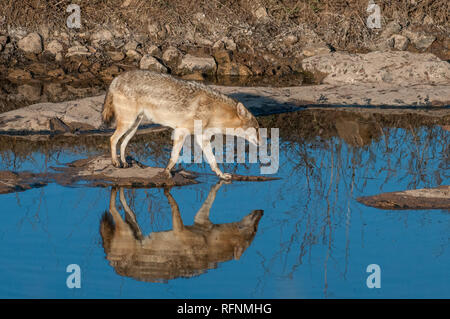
(184, 251)
(108, 109)
(171, 102)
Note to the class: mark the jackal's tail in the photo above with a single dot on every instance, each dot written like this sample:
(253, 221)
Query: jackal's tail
(108, 109)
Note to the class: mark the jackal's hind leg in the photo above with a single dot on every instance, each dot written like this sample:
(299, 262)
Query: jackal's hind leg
(127, 138)
(130, 216)
(179, 135)
(177, 222)
(121, 129)
(205, 144)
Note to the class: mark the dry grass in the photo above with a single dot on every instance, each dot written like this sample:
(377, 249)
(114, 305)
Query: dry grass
(339, 22)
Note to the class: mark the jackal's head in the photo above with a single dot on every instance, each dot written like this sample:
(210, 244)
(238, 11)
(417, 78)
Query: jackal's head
(248, 124)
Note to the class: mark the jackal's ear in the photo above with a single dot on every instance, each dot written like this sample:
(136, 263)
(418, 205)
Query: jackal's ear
(242, 112)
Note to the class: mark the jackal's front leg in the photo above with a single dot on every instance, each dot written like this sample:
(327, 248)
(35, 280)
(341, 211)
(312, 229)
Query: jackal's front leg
(205, 143)
(202, 216)
(179, 135)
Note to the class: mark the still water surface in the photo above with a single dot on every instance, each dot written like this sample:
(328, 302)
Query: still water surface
(313, 239)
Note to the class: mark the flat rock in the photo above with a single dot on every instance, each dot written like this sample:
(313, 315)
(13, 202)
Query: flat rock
(38, 117)
(261, 100)
(425, 198)
(99, 171)
(393, 67)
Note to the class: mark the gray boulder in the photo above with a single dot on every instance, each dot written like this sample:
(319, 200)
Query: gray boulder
(150, 63)
(394, 67)
(32, 43)
(193, 64)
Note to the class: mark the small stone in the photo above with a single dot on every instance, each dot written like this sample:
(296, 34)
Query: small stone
(428, 20)
(223, 57)
(62, 36)
(3, 40)
(77, 50)
(202, 41)
(390, 29)
(56, 73)
(227, 67)
(218, 45)
(260, 13)
(171, 56)
(44, 31)
(30, 92)
(290, 39)
(32, 43)
(37, 69)
(153, 30)
(58, 57)
(126, 3)
(133, 55)
(199, 16)
(131, 45)
(53, 90)
(193, 77)
(424, 41)
(420, 40)
(116, 56)
(54, 47)
(101, 36)
(400, 42)
(193, 64)
(318, 49)
(150, 63)
(18, 75)
(17, 33)
(229, 44)
(389, 43)
(153, 50)
(96, 67)
(110, 73)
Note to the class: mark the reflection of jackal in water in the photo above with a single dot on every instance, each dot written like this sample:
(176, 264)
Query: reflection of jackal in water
(184, 251)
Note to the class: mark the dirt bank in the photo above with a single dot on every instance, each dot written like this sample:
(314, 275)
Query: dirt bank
(218, 41)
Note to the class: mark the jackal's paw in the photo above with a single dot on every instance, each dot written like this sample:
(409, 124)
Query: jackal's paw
(126, 165)
(168, 173)
(116, 164)
(226, 176)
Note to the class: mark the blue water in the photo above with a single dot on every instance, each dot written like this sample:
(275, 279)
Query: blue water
(313, 241)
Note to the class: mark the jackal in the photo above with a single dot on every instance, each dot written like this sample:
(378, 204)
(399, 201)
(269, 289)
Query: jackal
(175, 103)
(184, 251)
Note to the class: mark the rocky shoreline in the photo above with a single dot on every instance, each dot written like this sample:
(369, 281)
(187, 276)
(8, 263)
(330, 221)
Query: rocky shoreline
(83, 115)
(403, 63)
(54, 64)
